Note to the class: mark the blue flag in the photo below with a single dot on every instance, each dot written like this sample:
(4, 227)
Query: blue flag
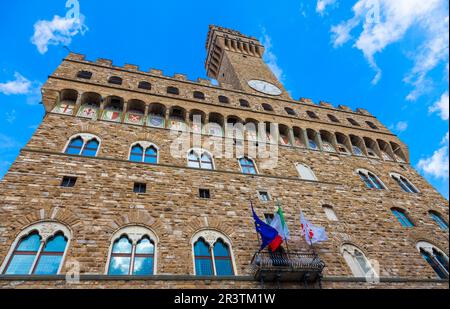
(269, 235)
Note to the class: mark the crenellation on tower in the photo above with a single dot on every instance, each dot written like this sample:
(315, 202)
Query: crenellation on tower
(156, 72)
(179, 76)
(204, 81)
(131, 67)
(104, 62)
(326, 104)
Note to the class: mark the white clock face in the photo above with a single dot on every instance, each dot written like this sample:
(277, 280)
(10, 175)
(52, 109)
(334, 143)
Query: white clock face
(265, 87)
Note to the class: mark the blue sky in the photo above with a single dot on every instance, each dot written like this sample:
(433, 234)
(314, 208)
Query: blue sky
(388, 56)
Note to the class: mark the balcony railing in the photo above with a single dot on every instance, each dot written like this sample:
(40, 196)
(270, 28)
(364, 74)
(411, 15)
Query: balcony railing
(292, 266)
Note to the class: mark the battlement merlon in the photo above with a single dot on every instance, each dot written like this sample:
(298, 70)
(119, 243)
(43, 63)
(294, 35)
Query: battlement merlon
(200, 82)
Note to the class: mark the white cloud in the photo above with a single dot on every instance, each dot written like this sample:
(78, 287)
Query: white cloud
(20, 85)
(400, 126)
(323, 4)
(60, 30)
(34, 96)
(441, 107)
(303, 9)
(437, 165)
(270, 58)
(385, 22)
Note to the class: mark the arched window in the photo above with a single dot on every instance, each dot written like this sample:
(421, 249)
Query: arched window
(343, 143)
(306, 172)
(173, 90)
(290, 111)
(357, 261)
(145, 85)
(312, 115)
(133, 252)
(435, 257)
(199, 95)
(267, 107)
(371, 152)
(357, 151)
(343, 149)
(134, 113)
(248, 166)
(244, 103)
(327, 141)
(121, 253)
(333, 118)
(90, 105)
(85, 145)
(436, 217)
(90, 148)
(312, 144)
(327, 146)
(386, 156)
(402, 217)
(151, 155)
(203, 261)
(330, 213)
(372, 125)
(212, 254)
(312, 139)
(353, 122)
(144, 152)
(224, 99)
(115, 80)
(198, 158)
(371, 180)
(404, 183)
(84, 74)
(75, 146)
(38, 250)
(222, 259)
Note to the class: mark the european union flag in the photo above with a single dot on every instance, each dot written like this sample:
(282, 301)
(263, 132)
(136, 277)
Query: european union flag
(268, 233)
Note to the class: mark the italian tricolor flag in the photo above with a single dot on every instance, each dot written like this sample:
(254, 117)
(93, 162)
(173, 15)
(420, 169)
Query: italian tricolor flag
(280, 225)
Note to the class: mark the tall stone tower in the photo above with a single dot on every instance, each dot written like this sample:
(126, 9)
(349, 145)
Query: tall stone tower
(236, 61)
(105, 189)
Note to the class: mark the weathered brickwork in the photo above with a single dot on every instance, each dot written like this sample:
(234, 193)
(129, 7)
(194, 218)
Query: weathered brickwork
(103, 201)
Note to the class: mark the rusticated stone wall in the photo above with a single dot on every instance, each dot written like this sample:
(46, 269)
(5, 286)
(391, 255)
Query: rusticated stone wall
(103, 201)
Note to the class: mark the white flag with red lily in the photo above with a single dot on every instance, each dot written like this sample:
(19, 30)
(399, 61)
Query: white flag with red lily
(313, 234)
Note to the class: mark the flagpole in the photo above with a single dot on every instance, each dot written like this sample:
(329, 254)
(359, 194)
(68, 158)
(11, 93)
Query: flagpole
(257, 234)
(286, 240)
(310, 239)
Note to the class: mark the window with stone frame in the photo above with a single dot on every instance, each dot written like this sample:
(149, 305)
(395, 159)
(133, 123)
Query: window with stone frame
(435, 257)
(85, 145)
(357, 262)
(199, 158)
(404, 183)
(212, 254)
(38, 250)
(371, 180)
(132, 252)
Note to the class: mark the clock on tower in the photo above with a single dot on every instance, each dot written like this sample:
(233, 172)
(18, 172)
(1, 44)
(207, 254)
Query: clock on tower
(236, 60)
